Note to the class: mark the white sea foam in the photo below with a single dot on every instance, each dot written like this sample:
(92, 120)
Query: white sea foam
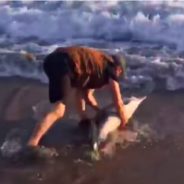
(149, 33)
(112, 20)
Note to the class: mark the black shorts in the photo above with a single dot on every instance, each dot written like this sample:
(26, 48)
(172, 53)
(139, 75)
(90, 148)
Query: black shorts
(56, 67)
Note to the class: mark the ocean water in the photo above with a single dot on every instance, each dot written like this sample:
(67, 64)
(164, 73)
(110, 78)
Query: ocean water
(148, 33)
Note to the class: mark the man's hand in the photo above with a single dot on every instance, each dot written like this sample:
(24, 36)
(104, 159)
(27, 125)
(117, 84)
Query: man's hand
(124, 121)
(118, 102)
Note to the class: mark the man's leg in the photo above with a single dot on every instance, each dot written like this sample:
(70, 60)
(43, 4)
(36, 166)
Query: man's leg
(56, 113)
(43, 126)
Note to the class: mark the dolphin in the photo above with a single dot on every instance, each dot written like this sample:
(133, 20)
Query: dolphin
(107, 121)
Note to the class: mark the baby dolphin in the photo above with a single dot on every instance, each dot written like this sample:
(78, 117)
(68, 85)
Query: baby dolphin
(106, 122)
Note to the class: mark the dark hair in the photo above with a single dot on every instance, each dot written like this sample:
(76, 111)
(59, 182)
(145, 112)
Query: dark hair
(119, 60)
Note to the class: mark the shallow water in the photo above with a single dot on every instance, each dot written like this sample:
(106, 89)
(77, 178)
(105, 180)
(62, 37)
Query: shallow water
(157, 158)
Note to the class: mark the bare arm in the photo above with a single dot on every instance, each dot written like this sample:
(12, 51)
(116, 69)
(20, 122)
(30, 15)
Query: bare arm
(118, 101)
(91, 100)
(81, 106)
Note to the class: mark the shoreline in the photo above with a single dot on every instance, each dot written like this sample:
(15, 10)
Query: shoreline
(158, 160)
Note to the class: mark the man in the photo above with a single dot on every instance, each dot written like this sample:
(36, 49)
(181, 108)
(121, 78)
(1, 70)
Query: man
(83, 70)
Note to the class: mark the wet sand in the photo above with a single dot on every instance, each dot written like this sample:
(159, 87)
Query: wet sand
(157, 161)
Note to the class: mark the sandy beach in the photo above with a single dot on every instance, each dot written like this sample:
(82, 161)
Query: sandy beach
(149, 35)
(156, 160)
